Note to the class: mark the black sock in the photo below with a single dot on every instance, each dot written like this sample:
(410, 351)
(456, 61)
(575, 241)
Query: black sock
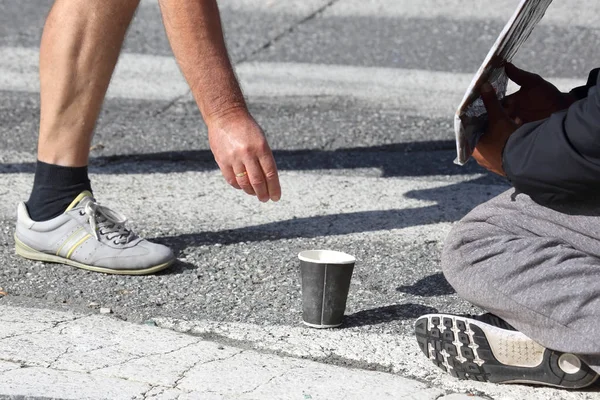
(54, 188)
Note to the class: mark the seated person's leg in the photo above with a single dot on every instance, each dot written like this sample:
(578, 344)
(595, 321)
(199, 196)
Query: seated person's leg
(536, 268)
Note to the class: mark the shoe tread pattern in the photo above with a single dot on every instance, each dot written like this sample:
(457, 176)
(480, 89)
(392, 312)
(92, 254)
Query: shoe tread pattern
(460, 347)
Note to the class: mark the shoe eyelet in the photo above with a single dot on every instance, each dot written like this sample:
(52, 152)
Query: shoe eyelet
(82, 213)
(115, 242)
(100, 232)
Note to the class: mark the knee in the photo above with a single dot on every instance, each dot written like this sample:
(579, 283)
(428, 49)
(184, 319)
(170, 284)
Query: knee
(464, 259)
(453, 263)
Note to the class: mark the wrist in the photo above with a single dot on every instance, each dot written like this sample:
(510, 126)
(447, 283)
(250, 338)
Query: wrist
(232, 112)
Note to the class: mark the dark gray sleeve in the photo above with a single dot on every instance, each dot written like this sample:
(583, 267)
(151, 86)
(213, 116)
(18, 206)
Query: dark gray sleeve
(557, 160)
(581, 92)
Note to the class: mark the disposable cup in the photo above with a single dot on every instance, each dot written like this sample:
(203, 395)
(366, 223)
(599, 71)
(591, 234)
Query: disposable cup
(326, 276)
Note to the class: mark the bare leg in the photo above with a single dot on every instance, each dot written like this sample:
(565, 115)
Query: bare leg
(79, 50)
(61, 222)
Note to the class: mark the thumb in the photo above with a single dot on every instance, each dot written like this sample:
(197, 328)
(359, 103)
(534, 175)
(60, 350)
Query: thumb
(492, 104)
(520, 76)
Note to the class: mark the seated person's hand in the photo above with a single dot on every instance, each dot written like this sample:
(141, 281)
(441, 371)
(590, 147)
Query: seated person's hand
(488, 152)
(536, 99)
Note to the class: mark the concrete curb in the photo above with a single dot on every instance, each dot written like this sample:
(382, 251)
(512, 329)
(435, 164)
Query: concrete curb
(54, 354)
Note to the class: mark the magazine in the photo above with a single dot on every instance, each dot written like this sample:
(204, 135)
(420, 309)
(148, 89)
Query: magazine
(470, 121)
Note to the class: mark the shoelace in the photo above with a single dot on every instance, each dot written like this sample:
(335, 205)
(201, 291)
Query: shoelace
(105, 221)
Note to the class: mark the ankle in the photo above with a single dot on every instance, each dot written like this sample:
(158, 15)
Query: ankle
(72, 158)
(54, 188)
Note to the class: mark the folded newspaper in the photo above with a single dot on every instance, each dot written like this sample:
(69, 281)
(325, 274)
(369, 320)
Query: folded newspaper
(470, 121)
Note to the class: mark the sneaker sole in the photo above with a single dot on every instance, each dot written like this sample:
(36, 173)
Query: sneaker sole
(27, 252)
(471, 349)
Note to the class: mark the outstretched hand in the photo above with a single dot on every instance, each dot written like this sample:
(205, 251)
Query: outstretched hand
(244, 156)
(488, 152)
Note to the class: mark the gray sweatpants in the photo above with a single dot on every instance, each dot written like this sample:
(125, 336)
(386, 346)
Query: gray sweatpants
(537, 268)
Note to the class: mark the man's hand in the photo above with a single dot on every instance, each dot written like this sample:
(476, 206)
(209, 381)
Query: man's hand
(237, 142)
(244, 156)
(536, 99)
(488, 152)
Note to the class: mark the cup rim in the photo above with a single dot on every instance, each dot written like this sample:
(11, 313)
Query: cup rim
(326, 257)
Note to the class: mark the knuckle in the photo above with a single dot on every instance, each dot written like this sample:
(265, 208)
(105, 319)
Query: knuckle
(263, 146)
(244, 150)
(257, 182)
(271, 175)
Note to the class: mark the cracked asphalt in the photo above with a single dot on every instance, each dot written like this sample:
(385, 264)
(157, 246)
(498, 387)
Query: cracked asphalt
(356, 99)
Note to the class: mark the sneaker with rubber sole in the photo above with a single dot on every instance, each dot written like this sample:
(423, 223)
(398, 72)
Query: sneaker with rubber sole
(89, 236)
(487, 349)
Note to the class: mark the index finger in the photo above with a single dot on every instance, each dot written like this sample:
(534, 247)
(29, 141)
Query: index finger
(267, 162)
(520, 76)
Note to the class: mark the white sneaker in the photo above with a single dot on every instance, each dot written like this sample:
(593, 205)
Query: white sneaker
(487, 349)
(89, 236)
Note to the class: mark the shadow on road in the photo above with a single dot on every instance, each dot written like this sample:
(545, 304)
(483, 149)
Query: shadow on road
(385, 314)
(446, 210)
(400, 159)
(430, 286)
(312, 227)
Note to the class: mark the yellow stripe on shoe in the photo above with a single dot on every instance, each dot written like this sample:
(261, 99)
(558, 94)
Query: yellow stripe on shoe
(76, 245)
(69, 239)
(82, 195)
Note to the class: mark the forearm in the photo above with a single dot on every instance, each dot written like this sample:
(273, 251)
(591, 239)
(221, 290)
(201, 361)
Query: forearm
(195, 33)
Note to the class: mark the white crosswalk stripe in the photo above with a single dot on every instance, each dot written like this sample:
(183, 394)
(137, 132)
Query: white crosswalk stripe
(559, 12)
(148, 77)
